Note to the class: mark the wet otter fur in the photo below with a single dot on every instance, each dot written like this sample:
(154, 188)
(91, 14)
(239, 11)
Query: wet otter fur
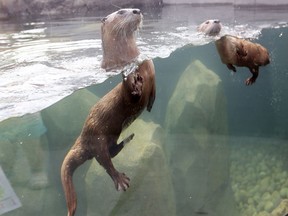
(210, 27)
(107, 118)
(118, 32)
(242, 53)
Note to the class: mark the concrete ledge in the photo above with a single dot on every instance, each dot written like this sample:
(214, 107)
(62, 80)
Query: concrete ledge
(37, 8)
(232, 2)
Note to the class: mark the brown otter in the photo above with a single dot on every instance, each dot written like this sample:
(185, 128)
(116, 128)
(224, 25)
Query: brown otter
(210, 27)
(242, 53)
(118, 38)
(115, 111)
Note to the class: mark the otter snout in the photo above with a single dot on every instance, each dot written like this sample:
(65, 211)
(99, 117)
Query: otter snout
(210, 27)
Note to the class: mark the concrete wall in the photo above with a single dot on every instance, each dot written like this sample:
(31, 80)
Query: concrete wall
(196, 1)
(37, 8)
(235, 2)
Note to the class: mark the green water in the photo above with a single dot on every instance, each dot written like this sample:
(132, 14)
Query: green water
(210, 146)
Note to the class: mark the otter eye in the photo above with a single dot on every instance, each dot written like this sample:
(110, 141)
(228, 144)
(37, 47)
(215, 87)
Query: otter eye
(103, 19)
(121, 12)
(136, 11)
(207, 22)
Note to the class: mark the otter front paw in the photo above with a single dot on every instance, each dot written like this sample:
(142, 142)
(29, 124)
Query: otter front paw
(121, 182)
(137, 85)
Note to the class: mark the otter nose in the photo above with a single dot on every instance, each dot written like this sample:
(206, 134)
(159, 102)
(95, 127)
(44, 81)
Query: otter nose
(136, 11)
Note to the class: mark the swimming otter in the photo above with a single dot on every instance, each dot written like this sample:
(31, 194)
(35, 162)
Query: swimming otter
(112, 113)
(242, 53)
(118, 38)
(210, 27)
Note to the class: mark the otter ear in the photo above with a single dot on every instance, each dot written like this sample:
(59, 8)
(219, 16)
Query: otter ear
(103, 19)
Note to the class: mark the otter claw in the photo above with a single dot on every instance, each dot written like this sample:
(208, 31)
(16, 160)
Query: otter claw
(122, 182)
(250, 81)
(119, 187)
(128, 139)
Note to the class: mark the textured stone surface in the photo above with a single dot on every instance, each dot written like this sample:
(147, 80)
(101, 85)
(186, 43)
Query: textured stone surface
(143, 161)
(196, 125)
(64, 121)
(258, 174)
(282, 209)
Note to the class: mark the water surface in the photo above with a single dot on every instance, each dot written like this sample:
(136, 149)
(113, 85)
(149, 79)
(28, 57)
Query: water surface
(44, 61)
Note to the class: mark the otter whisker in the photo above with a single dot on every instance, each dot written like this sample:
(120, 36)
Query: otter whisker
(119, 27)
(115, 5)
(128, 22)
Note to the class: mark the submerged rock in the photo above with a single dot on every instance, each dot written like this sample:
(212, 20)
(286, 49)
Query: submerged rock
(196, 125)
(64, 121)
(23, 139)
(265, 186)
(7, 154)
(284, 193)
(144, 162)
(196, 100)
(281, 210)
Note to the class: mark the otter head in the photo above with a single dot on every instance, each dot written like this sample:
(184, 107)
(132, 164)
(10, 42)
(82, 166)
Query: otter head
(210, 27)
(118, 38)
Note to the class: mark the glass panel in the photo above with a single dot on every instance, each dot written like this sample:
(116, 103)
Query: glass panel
(211, 145)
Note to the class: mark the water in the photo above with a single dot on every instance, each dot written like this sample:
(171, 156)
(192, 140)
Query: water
(189, 155)
(69, 51)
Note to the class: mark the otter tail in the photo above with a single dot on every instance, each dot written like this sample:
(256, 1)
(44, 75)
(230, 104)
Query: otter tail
(72, 160)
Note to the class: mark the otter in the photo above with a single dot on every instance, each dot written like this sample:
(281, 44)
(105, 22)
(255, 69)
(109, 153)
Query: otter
(118, 38)
(210, 27)
(115, 110)
(242, 53)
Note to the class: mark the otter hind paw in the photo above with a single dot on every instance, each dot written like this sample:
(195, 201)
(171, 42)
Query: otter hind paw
(250, 81)
(121, 182)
